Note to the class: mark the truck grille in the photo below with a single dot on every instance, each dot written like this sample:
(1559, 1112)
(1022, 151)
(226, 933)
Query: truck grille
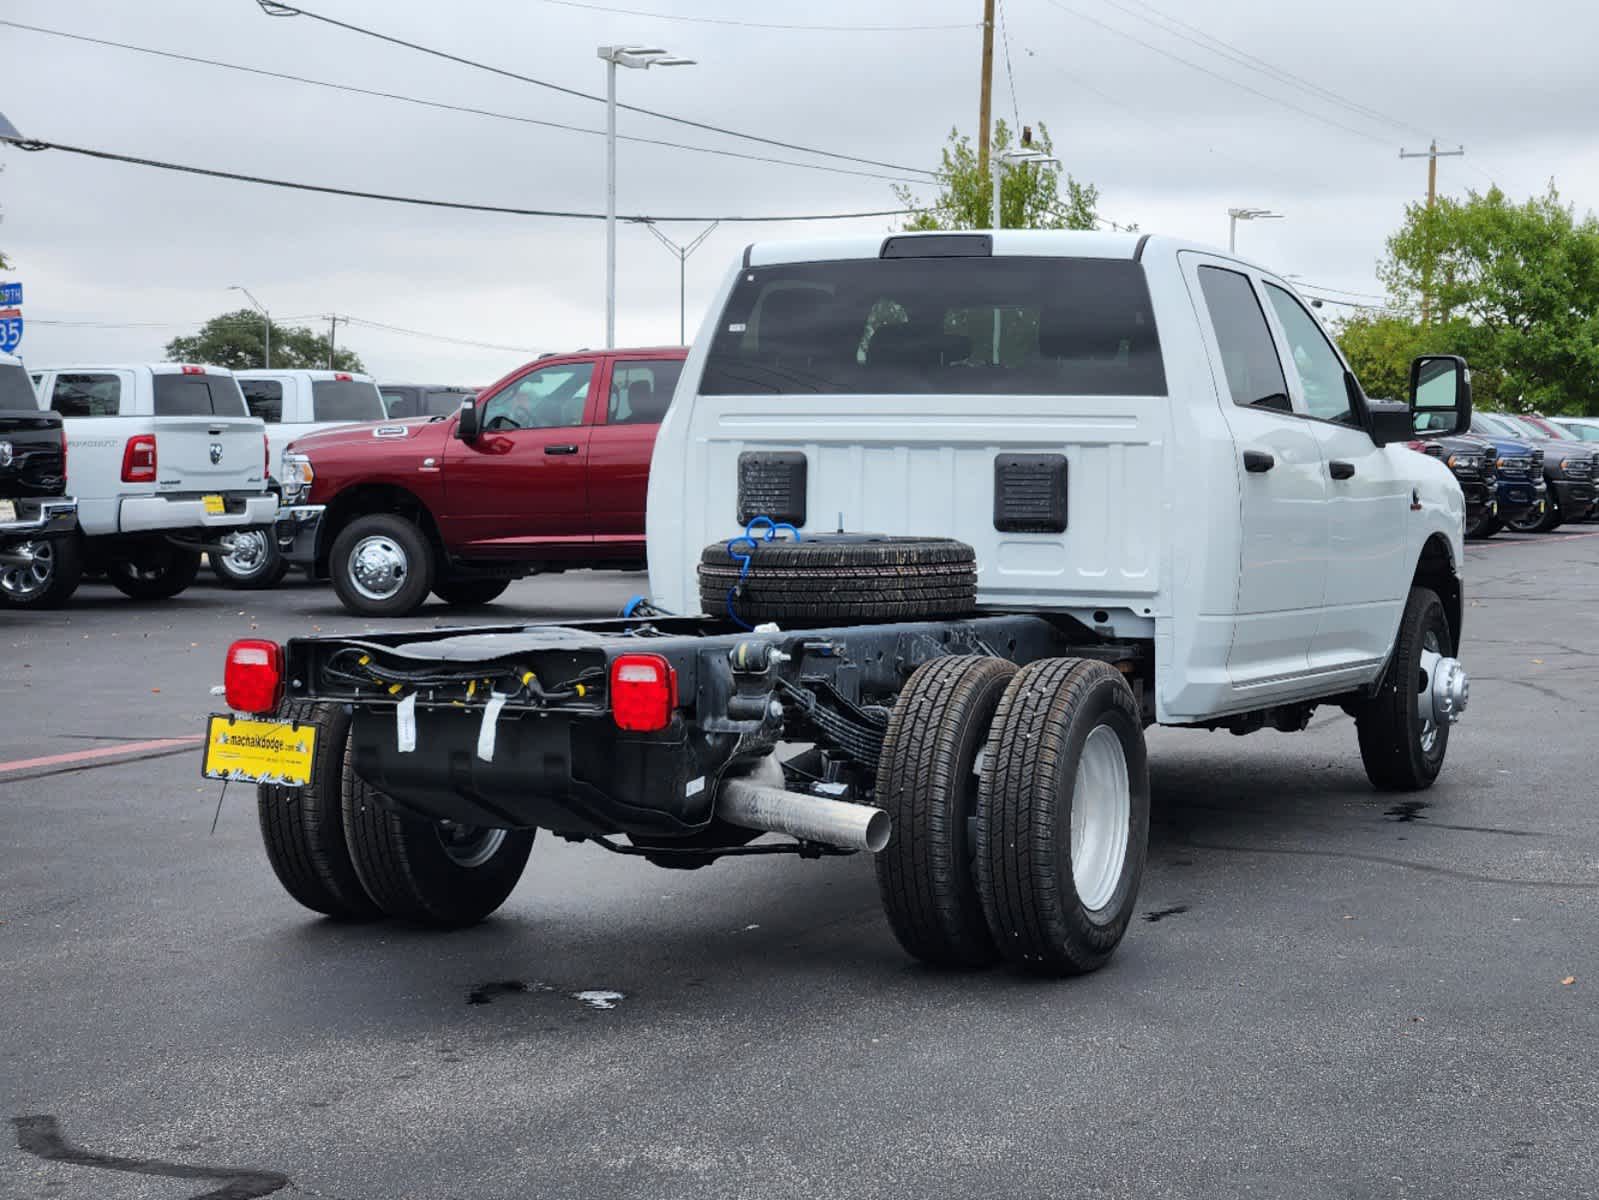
(1537, 460)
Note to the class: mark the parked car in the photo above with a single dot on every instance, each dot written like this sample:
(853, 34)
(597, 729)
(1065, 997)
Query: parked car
(546, 471)
(1159, 497)
(1562, 431)
(1569, 468)
(164, 460)
(404, 400)
(1472, 462)
(35, 512)
(1585, 428)
(1520, 488)
(291, 403)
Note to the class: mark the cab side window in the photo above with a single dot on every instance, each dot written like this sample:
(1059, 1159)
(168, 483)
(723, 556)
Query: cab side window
(1248, 354)
(85, 395)
(550, 397)
(641, 392)
(1321, 372)
(264, 398)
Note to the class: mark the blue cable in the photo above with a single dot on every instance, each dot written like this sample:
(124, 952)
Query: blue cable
(769, 534)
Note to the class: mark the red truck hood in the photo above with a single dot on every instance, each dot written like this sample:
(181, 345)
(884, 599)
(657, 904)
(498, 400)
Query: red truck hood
(377, 434)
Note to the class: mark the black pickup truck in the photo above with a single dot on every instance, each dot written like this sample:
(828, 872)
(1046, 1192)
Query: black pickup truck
(33, 479)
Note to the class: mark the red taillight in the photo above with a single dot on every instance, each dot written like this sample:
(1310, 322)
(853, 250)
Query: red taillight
(643, 692)
(253, 676)
(342, 377)
(138, 459)
(194, 370)
(266, 457)
(63, 452)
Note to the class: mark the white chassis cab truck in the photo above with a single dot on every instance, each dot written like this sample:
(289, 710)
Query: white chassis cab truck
(949, 520)
(292, 403)
(164, 461)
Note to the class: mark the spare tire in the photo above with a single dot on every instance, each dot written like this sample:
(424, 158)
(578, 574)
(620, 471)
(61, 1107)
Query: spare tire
(833, 577)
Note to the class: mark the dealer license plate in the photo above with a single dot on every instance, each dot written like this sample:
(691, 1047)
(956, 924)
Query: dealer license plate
(259, 751)
(8, 510)
(214, 504)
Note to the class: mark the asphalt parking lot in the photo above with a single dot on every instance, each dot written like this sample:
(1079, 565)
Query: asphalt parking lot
(1330, 993)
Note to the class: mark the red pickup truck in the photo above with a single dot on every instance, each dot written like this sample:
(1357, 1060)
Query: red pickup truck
(544, 471)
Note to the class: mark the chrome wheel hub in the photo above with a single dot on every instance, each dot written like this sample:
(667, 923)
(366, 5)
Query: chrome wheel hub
(1101, 817)
(469, 845)
(1443, 690)
(378, 567)
(25, 579)
(246, 552)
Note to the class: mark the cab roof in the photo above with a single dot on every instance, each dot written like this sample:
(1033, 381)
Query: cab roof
(316, 375)
(155, 368)
(1034, 243)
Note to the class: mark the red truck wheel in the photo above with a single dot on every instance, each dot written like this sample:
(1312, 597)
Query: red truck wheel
(382, 566)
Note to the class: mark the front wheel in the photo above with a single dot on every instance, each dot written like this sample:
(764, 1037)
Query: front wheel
(431, 872)
(1063, 816)
(1487, 525)
(382, 566)
(250, 560)
(157, 571)
(467, 592)
(48, 574)
(1403, 736)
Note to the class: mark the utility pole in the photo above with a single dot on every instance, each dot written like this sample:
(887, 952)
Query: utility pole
(985, 113)
(682, 252)
(1432, 154)
(333, 333)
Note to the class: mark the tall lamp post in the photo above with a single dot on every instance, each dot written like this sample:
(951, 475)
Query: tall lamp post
(682, 252)
(1014, 158)
(1235, 215)
(260, 308)
(638, 58)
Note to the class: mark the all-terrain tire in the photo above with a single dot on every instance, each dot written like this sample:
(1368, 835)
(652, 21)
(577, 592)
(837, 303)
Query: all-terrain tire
(303, 828)
(1043, 781)
(50, 581)
(405, 868)
(395, 540)
(839, 578)
(1393, 743)
(927, 782)
(156, 572)
(468, 592)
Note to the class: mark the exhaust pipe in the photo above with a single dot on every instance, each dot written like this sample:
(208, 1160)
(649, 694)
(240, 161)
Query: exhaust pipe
(751, 804)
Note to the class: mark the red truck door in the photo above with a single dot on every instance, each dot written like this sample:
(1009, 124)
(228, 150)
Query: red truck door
(638, 392)
(523, 483)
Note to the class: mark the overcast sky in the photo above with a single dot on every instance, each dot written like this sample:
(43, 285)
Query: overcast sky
(1170, 146)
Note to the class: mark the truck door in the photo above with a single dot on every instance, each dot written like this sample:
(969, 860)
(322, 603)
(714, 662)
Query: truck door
(1368, 499)
(637, 397)
(1282, 569)
(523, 482)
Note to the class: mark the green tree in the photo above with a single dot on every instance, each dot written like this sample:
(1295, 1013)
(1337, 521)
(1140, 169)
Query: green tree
(1513, 287)
(236, 340)
(1379, 347)
(1031, 197)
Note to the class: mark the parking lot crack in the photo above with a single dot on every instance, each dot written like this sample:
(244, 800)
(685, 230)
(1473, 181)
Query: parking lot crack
(1566, 885)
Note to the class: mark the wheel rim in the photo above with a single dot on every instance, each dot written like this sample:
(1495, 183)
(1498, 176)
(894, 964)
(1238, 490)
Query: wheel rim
(27, 580)
(1101, 816)
(246, 553)
(469, 845)
(378, 567)
(1431, 656)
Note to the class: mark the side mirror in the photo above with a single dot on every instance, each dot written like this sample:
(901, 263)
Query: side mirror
(467, 427)
(1388, 421)
(1440, 395)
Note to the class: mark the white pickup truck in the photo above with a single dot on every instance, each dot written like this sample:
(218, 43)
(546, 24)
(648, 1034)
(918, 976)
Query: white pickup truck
(1098, 482)
(291, 403)
(164, 462)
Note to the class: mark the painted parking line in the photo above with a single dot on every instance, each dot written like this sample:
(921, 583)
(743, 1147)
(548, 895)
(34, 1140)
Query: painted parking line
(80, 758)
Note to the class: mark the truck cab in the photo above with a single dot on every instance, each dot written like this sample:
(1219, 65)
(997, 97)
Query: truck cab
(405, 400)
(35, 512)
(165, 463)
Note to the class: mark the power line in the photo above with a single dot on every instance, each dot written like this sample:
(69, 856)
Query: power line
(660, 16)
(436, 337)
(1010, 76)
(438, 104)
(272, 8)
(1204, 70)
(33, 144)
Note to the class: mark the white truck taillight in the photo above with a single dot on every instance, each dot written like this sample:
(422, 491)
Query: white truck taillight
(138, 459)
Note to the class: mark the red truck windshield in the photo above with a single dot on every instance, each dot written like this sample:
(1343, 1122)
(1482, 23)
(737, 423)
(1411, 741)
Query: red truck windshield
(919, 326)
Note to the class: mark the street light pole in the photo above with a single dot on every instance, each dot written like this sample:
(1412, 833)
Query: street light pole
(1235, 215)
(640, 58)
(267, 355)
(682, 253)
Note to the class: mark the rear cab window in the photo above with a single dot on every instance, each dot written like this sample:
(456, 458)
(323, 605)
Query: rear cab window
(925, 326)
(443, 402)
(87, 394)
(198, 396)
(16, 390)
(346, 400)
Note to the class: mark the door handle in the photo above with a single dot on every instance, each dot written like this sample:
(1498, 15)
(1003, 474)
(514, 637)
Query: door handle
(1341, 470)
(568, 448)
(1257, 462)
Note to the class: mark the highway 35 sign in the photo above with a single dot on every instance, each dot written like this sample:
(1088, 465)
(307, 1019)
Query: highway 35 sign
(10, 329)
